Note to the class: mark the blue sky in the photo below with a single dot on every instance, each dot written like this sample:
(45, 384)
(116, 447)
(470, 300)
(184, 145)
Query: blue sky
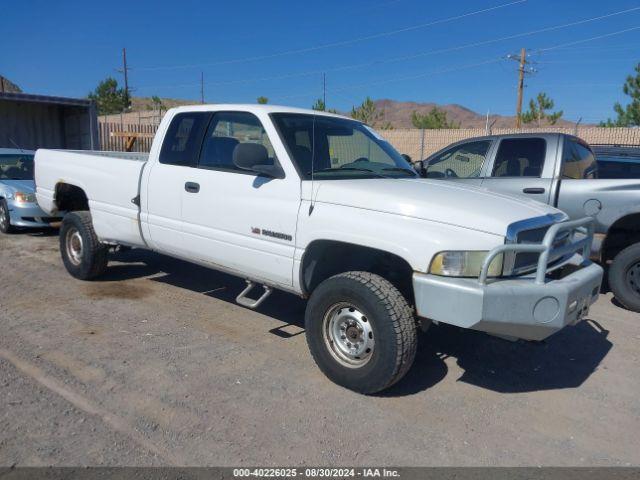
(444, 52)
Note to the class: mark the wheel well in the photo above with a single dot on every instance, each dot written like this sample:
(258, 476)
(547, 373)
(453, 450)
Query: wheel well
(325, 258)
(623, 233)
(70, 198)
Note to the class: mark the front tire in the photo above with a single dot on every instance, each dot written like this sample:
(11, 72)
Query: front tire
(5, 218)
(361, 332)
(624, 277)
(83, 255)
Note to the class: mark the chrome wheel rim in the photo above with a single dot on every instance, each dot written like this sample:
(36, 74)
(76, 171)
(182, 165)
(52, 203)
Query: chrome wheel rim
(74, 246)
(3, 217)
(348, 335)
(633, 277)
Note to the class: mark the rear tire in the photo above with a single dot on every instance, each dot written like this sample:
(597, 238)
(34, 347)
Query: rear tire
(361, 332)
(624, 277)
(5, 218)
(84, 257)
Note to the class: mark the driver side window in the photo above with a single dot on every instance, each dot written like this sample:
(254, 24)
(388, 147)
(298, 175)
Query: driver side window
(462, 161)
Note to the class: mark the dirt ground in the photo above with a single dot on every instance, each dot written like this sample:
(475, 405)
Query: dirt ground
(156, 364)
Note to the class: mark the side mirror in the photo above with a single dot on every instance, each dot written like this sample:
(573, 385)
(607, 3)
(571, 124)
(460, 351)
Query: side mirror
(419, 167)
(255, 158)
(406, 157)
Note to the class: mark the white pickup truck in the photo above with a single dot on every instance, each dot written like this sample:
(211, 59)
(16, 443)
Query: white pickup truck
(321, 206)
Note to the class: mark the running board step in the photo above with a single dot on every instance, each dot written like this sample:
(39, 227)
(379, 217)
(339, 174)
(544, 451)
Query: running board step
(245, 301)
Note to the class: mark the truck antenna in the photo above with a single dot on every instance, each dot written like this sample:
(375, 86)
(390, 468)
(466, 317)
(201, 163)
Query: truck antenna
(16, 145)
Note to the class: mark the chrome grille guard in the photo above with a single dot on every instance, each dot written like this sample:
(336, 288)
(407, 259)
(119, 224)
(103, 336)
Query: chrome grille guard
(545, 249)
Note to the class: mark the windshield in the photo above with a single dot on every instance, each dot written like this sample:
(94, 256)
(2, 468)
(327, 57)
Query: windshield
(16, 167)
(338, 148)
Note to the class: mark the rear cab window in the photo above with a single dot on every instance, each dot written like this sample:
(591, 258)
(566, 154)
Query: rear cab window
(578, 161)
(181, 144)
(520, 157)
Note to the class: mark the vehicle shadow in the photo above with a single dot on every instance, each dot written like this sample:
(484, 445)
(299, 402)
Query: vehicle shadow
(37, 232)
(564, 360)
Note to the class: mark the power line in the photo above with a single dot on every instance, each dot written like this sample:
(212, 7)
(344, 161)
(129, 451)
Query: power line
(577, 42)
(399, 79)
(581, 62)
(341, 43)
(431, 52)
(461, 67)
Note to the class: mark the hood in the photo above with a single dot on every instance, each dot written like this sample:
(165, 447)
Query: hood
(434, 200)
(26, 186)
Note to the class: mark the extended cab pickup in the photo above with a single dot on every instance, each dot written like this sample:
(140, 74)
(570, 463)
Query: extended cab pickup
(321, 206)
(559, 170)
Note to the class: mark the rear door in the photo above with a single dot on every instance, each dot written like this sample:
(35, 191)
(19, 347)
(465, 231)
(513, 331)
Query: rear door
(522, 167)
(235, 218)
(166, 181)
(462, 163)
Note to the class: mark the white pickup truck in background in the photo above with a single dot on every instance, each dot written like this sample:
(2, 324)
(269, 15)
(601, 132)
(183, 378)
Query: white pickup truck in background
(321, 206)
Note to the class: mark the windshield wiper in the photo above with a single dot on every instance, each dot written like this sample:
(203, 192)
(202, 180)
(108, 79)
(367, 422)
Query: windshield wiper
(400, 169)
(353, 169)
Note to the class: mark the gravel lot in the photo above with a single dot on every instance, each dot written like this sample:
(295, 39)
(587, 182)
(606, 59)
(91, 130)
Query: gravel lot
(155, 364)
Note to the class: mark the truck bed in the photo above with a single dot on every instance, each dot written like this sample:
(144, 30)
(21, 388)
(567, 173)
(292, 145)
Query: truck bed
(110, 181)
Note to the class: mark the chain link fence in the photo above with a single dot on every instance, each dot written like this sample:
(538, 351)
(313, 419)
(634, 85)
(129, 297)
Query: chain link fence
(418, 144)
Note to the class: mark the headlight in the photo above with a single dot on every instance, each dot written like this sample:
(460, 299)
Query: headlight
(464, 264)
(22, 197)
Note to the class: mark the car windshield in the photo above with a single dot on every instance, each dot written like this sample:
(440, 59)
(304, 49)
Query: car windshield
(16, 167)
(336, 148)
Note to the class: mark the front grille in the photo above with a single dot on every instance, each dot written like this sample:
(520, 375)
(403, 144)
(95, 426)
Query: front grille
(526, 262)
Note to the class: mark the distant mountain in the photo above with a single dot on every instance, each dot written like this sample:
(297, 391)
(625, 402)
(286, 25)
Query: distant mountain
(396, 112)
(141, 104)
(8, 86)
(399, 115)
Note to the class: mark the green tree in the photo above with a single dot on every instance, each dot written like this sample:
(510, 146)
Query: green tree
(368, 113)
(109, 98)
(628, 116)
(321, 107)
(539, 111)
(156, 103)
(436, 118)
(262, 100)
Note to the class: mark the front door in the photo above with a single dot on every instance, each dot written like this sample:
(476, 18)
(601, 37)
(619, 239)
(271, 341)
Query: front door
(519, 168)
(238, 219)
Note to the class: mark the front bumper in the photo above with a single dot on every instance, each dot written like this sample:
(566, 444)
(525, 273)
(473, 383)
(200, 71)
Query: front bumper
(517, 307)
(29, 215)
(530, 307)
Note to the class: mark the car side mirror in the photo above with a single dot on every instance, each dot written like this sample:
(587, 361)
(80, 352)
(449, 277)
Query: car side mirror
(255, 158)
(419, 167)
(406, 157)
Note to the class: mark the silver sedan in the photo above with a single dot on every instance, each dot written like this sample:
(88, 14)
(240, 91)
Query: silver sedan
(18, 207)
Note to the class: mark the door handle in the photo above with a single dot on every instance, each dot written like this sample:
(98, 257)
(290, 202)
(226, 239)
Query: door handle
(535, 190)
(192, 187)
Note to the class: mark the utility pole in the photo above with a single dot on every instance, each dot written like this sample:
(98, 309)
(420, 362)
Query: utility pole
(125, 71)
(201, 87)
(522, 70)
(324, 90)
(523, 61)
